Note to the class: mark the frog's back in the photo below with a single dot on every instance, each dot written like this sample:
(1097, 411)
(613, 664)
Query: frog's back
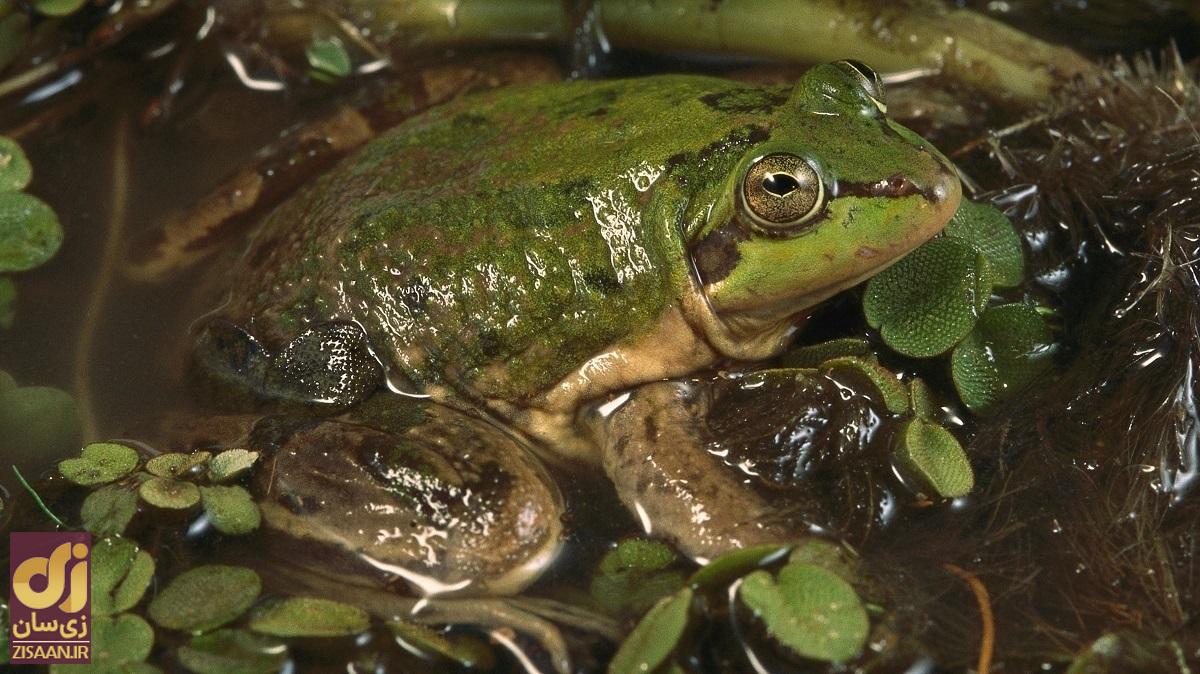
(522, 230)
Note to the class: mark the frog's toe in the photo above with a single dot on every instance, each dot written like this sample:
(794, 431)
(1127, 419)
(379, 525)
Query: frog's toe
(453, 506)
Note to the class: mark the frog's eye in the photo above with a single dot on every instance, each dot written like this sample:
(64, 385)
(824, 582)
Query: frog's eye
(868, 78)
(782, 191)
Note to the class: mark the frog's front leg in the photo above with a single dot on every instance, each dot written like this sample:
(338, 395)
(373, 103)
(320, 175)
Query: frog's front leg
(450, 505)
(726, 462)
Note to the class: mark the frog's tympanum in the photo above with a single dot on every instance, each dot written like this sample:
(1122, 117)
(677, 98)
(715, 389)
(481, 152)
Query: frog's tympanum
(474, 285)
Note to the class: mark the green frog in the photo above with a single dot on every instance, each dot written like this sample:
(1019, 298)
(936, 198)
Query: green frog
(457, 308)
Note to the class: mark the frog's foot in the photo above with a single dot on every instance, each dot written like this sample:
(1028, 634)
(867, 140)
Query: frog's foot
(452, 505)
(723, 463)
(329, 365)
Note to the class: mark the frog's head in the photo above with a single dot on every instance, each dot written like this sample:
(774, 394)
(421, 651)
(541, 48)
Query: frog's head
(836, 193)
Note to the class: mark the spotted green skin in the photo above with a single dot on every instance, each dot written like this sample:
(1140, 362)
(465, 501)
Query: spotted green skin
(494, 245)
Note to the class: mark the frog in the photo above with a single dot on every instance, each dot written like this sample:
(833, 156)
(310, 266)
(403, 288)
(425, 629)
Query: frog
(446, 320)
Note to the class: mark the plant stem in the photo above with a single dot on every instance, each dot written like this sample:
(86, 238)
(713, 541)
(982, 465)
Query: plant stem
(38, 499)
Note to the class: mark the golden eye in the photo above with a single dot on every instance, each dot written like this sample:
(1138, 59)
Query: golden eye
(782, 190)
(868, 79)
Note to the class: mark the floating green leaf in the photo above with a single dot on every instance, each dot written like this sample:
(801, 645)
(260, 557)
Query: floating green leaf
(120, 575)
(655, 636)
(988, 231)
(929, 300)
(205, 597)
(921, 400)
(1009, 347)
(38, 421)
(637, 554)
(309, 617)
(108, 510)
(932, 456)
(7, 383)
(29, 232)
(811, 610)
(58, 7)
(15, 170)
(230, 463)
(8, 302)
(735, 564)
(99, 463)
(826, 554)
(230, 509)
(895, 397)
(229, 651)
(171, 494)
(120, 644)
(463, 649)
(329, 57)
(633, 576)
(175, 464)
(815, 354)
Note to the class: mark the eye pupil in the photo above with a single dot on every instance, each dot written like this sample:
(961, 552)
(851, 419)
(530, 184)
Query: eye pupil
(780, 184)
(780, 192)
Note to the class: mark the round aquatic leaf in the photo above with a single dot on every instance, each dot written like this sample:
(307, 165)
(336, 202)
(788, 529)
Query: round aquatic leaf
(463, 649)
(989, 231)
(735, 564)
(637, 554)
(632, 593)
(813, 355)
(58, 7)
(29, 232)
(929, 300)
(329, 57)
(108, 510)
(932, 456)
(38, 421)
(811, 610)
(15, 170)
(205, 597)
(162, 492)
(99, 463)
(651, 642)
(7, 383)
(175, 464)
(230, 509)
(826, 554)
(895, 398)
(229, 651)
(120, 575)
(632, 577)
(120, 640)
(230, 463)
(1009, 347)
(309, 617)
(8, 302)
(921, 400)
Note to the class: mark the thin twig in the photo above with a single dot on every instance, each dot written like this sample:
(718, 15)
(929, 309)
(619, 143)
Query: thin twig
(38, 499)
(987, 641)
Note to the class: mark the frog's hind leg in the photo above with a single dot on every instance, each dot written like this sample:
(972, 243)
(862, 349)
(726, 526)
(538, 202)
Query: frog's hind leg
(448, 505)
(727, 462)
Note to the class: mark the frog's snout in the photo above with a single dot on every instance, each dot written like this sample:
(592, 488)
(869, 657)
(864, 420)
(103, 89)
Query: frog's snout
(942, 190)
